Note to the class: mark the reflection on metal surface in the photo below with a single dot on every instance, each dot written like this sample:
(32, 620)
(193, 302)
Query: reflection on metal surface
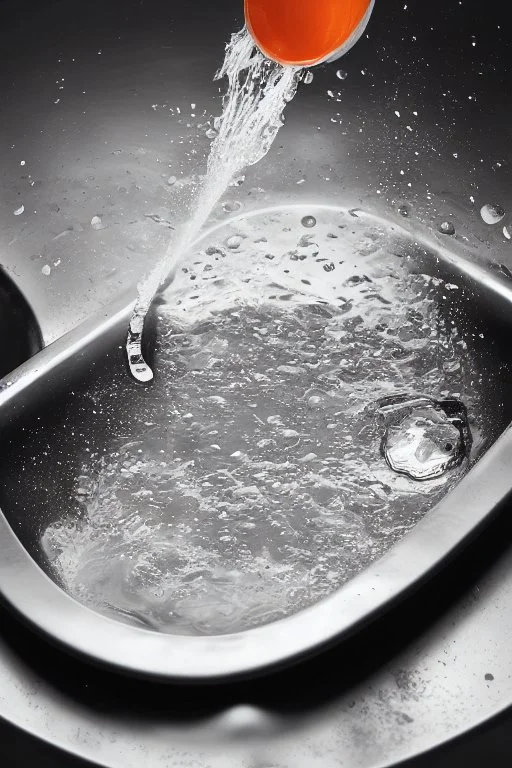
(20, 333)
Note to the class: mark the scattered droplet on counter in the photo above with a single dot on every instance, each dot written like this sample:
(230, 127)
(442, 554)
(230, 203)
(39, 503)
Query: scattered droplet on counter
(308, 221)
(230, 206)
(234, 242)
(446, 228)
(19, 210)
(211, 133)
(507, 232)
(171, 180)
(46, 270)
(404, 210)
(341, 74)
(504, 270)
(308, 78)
(97, 222)
(492, 213)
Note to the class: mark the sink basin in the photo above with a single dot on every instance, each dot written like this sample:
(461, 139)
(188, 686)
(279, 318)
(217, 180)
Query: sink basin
(129, 512)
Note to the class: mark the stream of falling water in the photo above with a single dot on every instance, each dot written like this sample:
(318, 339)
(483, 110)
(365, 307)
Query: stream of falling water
(258, 90)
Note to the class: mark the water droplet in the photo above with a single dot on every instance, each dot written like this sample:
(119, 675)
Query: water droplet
(234, 242)
(19, 210)
(424, 438)
(230, 206)
(504, 270)
(211, 133)
(171, 180)
(97, 222)
(492, 213)
(450, 366)
(308, 78)
(507, 231)
(404, 210)
(46, 270)
(446, 228)
(341, 74)
(308, 221)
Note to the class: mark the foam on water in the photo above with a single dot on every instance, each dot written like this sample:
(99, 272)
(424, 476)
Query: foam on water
(248, 482)
(258, 90)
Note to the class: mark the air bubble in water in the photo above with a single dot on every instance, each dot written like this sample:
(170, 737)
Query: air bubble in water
(492, 213)
(446, 228)
(404, 210)
(210, 133)
(308, 221)
(424, 438)
(341, 74)
(308, 78)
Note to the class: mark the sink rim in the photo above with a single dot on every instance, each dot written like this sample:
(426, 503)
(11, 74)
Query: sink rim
(188, 659)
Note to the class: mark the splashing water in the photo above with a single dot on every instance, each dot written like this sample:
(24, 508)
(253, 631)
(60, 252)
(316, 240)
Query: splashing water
(258, 90)
(309, 379)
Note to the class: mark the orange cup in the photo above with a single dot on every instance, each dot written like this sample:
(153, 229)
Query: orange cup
(306, 32)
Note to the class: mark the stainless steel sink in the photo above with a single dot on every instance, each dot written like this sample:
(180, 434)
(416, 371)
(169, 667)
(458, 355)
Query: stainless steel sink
(74, 399)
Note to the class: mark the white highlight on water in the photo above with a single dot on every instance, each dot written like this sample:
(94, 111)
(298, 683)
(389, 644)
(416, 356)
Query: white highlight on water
(258, 90)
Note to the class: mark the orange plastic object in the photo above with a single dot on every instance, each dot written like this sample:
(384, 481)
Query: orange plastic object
(304, 32)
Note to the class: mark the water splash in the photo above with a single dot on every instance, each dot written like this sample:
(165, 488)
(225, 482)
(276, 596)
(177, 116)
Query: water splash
(258, 90)
(249, 482)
